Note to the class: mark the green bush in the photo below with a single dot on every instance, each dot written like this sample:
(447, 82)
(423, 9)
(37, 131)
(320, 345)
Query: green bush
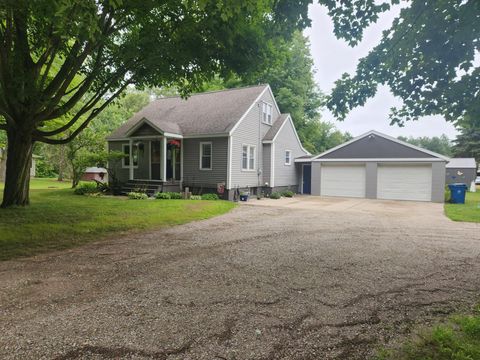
(137, 196)
(210, 197)
(447, 194)
(195, 197)
(275, 195)
(175, 195)
(288, 193)
(86, 188)
(162, 196)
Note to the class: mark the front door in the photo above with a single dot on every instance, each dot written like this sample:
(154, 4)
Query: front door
(307, 179)
(155, 159)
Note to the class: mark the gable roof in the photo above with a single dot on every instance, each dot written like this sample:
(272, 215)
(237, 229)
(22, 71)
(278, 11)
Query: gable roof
(277, 126)
(428, 153)
(215, 112)
(462, 163)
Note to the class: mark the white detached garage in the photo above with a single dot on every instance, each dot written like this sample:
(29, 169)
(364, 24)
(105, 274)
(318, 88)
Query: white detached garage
(377, 166)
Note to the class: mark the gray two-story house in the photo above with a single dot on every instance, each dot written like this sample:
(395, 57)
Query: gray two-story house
(216, 141)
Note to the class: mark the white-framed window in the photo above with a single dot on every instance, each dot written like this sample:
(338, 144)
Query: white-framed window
(126, 158)
(288, 157)
(206, 156)
(249, 154)
(267, 113)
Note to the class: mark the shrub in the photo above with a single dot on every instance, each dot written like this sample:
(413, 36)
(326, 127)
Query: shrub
(162, 196)
(175, 195)
(275, 195)
(288, 193)
(210, 197)
(447, 194)
(195, 197)
(86, 188)
(137, 196)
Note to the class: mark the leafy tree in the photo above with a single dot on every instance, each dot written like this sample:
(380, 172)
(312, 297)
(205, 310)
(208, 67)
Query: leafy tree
(426, 58)
(110, 45)
(438, 144)
(467, 143)
(290, 74)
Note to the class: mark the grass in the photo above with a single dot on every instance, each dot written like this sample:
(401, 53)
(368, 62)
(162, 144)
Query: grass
(58, 219)
(456, 339)
(470, 211)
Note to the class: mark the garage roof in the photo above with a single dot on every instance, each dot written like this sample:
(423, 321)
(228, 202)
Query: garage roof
(465, 163)
(374, 145)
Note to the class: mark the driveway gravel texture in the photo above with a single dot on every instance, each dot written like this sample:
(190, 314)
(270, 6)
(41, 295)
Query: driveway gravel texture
(302, 278)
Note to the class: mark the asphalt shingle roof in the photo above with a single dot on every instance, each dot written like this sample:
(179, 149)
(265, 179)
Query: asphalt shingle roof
(270, 135)
(462, 163)
(214, 112)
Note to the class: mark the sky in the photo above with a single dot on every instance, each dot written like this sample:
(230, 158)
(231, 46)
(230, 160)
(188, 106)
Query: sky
(333, 57)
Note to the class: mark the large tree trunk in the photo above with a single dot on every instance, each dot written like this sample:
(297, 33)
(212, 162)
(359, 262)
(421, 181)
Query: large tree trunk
(19, 161)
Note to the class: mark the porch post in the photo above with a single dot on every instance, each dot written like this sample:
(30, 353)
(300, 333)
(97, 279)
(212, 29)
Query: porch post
(163, 159)
(181, 161)
(130, 163)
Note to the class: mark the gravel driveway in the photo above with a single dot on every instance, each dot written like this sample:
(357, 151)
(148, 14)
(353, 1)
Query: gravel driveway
(306, 278)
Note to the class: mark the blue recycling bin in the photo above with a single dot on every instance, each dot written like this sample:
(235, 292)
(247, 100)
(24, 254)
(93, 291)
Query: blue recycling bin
(457, 193)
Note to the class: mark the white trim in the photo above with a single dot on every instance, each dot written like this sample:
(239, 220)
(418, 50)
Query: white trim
(289, 157)
(163, 144)
(249, 146)
(173, 135)
(268, 104)
(289, 118)
(130, 157)
(137, 125)
(381, 160)
(181, 162)
(302, 160)
(200, 136)
(201, 155)
(150, 159)
(229, 164)
(272, 165)
(267, 87)
(373, 132)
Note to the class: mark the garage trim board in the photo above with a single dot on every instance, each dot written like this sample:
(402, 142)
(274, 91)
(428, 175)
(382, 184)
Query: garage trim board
(378, 166)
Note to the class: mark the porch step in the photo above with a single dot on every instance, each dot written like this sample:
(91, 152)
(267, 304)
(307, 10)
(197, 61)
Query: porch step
(150, 187)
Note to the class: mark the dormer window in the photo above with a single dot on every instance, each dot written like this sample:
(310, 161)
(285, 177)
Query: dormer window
(267, 113)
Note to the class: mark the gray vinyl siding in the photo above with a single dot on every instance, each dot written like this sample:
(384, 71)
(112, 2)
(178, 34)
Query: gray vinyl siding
(286, 175)
(192, 175)
(250, 131)
(267, 158)
(460, 175)
(438, 182)
(371, 179)
(145, 130)
(316, 178)
(375, 147)
(121, 173)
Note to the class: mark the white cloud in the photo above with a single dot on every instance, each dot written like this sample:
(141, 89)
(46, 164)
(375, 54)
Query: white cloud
(334, 57)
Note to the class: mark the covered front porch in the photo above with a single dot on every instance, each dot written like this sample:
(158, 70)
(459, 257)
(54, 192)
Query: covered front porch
(154, 158)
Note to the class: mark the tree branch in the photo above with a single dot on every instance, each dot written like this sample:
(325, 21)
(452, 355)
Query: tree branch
(92, 115)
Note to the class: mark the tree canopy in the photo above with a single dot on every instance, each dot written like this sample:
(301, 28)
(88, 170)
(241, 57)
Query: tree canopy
(426, 58)
(439, 144)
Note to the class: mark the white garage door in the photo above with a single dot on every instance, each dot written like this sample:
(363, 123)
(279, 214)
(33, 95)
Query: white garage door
(342, 180)
(404, 182)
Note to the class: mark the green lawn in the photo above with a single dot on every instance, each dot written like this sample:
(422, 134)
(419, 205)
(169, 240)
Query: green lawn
(456, 339)
(470, 211)
(58, 219)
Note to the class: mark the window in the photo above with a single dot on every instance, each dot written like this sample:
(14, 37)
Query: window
(267, 113)
(248, 157)
(288, 157)
(205, 156)
(126, 158)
